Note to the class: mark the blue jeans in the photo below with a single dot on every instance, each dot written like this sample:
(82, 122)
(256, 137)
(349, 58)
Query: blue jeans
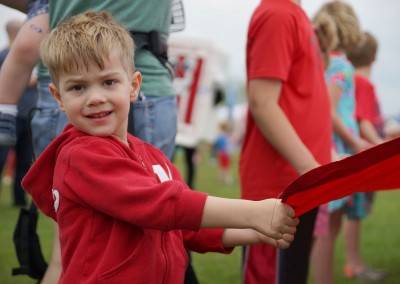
(48, 121)
(23, 151)
(155, 120)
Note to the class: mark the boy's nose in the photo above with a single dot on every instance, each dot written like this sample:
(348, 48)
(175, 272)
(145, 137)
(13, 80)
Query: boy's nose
(95, 97)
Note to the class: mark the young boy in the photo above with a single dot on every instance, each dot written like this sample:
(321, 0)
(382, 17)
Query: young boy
(368, 114)
(371, 126)
(123, 210)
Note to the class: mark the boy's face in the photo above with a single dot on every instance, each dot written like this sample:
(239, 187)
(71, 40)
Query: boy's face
(97, 101)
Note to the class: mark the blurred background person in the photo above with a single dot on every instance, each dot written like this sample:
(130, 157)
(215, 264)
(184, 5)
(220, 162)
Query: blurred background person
(23, 147)
(19, 63)
(371, 125)
(326, 32)
(346, 141)
(223, 149)
(288, 130)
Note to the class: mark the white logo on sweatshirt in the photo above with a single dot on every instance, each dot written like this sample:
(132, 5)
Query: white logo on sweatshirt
(56, 198)
(161, 173)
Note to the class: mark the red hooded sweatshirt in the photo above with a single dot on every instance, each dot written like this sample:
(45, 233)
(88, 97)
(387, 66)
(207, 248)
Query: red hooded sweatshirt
(124, 213)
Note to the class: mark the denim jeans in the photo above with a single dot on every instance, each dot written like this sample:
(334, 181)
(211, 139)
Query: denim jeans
(23, 159)
(155, 120)
(48, 121)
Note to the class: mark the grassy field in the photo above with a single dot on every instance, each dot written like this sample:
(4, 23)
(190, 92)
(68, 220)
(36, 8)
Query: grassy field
(380, 239)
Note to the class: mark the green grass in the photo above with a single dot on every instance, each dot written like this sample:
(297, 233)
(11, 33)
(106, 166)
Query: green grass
(380, 238)
(8, 219)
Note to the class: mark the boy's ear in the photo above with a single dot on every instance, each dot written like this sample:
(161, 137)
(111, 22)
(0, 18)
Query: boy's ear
(136, 83)
(56, 96)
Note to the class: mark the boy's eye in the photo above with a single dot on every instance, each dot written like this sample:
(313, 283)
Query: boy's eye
(77, 88)
(109, 82)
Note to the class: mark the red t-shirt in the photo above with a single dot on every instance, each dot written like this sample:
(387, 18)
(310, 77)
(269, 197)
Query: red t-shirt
(367, 104)
(281, 44)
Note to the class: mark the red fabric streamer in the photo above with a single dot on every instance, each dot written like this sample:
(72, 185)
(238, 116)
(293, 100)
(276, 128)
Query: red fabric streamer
(377, 168)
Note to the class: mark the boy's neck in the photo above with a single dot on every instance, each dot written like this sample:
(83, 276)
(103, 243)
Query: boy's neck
(364, 71)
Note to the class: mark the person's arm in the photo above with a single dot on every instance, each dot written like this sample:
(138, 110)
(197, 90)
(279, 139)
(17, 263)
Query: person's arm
(339, 127)
(275, 126)
(22, 58)
(368, 131)
(270, 217)
(20, 5)
(240, 237)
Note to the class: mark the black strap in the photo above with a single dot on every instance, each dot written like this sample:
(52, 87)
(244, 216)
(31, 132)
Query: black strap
(24, 268)
(24, 246)
(33, 208)
(27, 245)
(153, 42)
(26, 240)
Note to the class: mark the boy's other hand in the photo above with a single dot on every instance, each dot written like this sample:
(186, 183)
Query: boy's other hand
(276, 220)
(283, 243)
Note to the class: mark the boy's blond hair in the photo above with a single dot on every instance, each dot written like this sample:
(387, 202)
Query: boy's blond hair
(364, 54)
(84, 39)
(346, 21)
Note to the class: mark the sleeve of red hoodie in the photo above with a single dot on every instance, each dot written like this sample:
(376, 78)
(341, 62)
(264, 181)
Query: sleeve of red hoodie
(204, 240)
(104, 177)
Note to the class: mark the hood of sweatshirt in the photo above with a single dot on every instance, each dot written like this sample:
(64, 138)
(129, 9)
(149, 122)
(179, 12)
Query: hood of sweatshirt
(38, 182)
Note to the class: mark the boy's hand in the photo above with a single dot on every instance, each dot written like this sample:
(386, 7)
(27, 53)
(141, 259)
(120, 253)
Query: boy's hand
(283, 243)
(276, 220)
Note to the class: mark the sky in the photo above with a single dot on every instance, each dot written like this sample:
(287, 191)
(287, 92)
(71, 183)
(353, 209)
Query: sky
(224, 23)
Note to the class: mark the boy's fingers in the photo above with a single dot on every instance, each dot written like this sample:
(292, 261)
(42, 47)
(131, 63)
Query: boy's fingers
(288, 237)
(295, 221)
(282, 244)
(278, 236)
(291, 230)
(291, 212)
(291, 222)
(288, 230)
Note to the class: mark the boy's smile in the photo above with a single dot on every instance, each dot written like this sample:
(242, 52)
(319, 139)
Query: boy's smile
(97, 101)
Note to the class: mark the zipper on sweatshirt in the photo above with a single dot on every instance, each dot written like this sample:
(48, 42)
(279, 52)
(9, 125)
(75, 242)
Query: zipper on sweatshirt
(138, 157)
(165, 257)
(141, 161)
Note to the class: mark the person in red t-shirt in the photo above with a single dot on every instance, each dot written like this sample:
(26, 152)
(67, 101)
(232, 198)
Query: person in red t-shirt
(368, 114)
(371, 126)
(288, 130)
